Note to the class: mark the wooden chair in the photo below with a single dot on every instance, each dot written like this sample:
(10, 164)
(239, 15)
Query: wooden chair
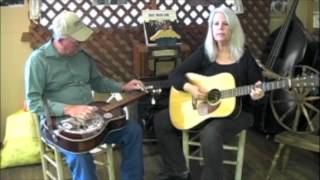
(53, 165)
(287, 140)
(192, 150)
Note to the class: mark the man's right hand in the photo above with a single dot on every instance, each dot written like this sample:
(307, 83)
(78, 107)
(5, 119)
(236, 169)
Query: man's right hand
(84, 112)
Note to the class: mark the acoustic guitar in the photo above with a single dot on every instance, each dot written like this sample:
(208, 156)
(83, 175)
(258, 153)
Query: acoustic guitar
(221, 101)
(80, 136)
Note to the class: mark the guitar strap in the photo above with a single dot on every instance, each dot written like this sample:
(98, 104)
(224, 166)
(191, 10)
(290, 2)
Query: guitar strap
(48, 118)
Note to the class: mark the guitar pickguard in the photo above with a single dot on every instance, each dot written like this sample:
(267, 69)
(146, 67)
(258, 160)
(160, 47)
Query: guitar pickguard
(205, 108)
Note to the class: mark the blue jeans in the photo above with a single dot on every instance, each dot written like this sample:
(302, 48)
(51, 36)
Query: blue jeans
(130, 140)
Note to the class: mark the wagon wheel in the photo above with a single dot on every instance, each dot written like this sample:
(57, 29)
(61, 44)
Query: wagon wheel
(297, 109)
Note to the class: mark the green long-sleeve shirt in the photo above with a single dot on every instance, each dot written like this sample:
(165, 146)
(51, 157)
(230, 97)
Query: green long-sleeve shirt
(62, 79)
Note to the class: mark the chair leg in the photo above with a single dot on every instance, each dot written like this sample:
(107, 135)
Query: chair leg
(201, 162)
(44, 163)
(185, 147)
(47, 159)
(59, 164)
(238, 163)
(285, 155)
(275, 160)
(240, 155)
(110, 162)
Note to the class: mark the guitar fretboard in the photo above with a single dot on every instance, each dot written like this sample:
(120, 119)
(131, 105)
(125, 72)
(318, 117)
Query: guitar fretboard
(267, 86)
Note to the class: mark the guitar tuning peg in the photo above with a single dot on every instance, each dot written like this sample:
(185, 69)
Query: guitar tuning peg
(156, 91)
(153, 101)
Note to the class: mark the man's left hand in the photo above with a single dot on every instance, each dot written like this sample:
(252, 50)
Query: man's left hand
(133, 85)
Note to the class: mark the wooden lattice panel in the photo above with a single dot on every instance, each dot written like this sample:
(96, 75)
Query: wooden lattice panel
(111, 48)
(255, 23)
(94, 15)
(119, 27)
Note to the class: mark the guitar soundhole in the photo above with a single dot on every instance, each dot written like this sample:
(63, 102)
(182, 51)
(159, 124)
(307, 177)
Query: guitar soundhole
(214, 96)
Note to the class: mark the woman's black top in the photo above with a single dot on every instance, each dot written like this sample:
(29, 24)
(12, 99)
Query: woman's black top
(245, 71)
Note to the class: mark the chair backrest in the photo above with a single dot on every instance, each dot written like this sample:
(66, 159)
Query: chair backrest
(50, 156)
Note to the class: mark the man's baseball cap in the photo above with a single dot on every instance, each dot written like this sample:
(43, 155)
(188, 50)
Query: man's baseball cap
(68, 24)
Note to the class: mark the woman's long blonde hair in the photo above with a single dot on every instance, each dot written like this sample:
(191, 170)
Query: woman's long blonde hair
(237, 41)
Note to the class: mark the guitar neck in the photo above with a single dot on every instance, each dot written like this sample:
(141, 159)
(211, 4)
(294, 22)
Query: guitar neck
(267, 86)
(118, 104)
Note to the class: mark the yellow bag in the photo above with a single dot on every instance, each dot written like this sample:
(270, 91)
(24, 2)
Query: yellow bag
(21, 144)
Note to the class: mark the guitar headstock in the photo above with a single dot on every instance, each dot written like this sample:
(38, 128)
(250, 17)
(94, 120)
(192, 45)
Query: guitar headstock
(306, 81)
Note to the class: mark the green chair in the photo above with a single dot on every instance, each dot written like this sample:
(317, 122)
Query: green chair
(192, 150)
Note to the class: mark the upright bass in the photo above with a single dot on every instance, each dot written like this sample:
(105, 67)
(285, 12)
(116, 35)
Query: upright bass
(289, 48)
